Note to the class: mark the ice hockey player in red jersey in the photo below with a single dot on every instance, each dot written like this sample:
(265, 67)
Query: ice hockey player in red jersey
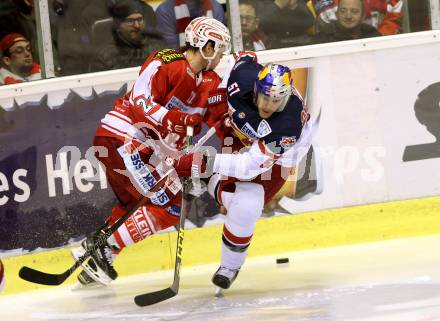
(2, 276)
(171, 92)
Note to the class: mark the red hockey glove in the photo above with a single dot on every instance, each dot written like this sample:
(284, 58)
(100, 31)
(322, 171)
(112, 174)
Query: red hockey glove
(225, 128)
(247, 55)
(184, 165)
(176, 121)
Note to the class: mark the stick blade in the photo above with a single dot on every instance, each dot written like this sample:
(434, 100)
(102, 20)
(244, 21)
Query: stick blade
(154, 297)
(35, 276)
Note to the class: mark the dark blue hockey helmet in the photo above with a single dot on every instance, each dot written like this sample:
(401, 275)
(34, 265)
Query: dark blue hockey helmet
(274, 81)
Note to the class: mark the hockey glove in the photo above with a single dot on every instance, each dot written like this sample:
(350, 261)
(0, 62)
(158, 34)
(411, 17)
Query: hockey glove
(176, 121)
(249, 56)
(197, 164)
(184, 165)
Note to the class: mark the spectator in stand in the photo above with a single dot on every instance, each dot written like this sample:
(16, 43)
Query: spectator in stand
(18, 63)
(18, 16)
(131, 44)
(348, 24)
(253, 38)
(71, 22)
(384, 15)
(174, 15)
(147, 12)
(286, 22)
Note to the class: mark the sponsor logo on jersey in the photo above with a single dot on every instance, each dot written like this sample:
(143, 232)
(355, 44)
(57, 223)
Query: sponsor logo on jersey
(143, 178)
(169, 55)
(160, 197)
(249, 131)
(214, 99)
(176, 102)
(138, 226)
(287, 142)
(173, 210)
(136, 161)
(149, 180)
(264, 129)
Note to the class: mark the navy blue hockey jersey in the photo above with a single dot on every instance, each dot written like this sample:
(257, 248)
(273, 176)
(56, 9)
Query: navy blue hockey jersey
(283, 138)
(278, 132)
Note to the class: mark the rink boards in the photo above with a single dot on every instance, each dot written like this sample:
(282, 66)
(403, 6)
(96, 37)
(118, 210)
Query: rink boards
(273, 235)
(377, 142)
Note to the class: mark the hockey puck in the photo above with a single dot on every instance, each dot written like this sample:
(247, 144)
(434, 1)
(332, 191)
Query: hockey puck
(282, 260)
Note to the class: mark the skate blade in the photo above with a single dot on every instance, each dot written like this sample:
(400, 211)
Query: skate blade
(81, 287)
(218, 292)
(76, 254)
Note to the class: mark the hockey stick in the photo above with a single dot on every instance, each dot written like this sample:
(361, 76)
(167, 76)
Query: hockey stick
(165, 294)
(40, 277)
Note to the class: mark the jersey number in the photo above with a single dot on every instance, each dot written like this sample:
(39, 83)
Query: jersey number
(143, 103)
(233, 89)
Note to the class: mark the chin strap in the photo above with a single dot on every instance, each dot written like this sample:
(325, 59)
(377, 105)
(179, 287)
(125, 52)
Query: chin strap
(208, 66)
(209, 59)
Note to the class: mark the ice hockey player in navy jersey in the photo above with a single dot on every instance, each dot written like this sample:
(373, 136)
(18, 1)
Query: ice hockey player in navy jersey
(270, 132)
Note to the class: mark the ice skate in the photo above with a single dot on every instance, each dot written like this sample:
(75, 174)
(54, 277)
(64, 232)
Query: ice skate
(85, 282)
(98, 267)
(224, 277)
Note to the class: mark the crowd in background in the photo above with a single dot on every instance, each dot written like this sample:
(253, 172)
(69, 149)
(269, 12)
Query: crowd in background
(100, 35)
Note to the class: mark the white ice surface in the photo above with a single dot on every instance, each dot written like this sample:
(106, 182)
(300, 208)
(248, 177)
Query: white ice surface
(383, 281)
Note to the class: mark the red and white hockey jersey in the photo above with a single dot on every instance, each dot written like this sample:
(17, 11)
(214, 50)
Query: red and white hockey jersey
(166, 80)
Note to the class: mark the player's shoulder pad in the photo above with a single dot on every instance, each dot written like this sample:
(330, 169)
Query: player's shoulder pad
(168, 56)
(283, 129)
(242, 78)
(210, 79)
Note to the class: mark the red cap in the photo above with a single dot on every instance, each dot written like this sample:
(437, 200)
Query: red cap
(9, 40)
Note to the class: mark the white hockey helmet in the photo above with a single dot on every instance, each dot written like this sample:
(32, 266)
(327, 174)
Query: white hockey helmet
(202, 29)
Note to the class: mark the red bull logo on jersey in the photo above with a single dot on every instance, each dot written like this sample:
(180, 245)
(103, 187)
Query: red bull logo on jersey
(287, 142)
